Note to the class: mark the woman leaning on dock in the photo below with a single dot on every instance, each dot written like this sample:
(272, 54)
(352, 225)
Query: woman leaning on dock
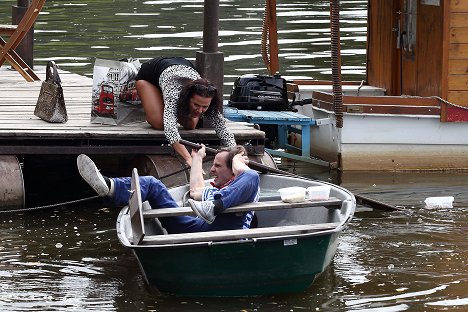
(172, 92)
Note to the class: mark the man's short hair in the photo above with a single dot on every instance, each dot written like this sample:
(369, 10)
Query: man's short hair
(232, 151)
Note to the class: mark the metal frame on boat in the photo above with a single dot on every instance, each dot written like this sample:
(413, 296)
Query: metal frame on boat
(292, 245)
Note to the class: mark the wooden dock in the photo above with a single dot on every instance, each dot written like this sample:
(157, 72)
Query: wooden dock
(23, 133)
(37, 157)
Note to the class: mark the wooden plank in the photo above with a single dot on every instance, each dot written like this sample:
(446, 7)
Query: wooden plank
(459, 35)
(259, 206)
(458, 97)
(383, 56)
(84, 149)
(457, 83)
(458, 51)
(380, 100)
(459, 20)
(427, 72)
(135, 206)
(458, 5)
(393, 109)
(381, 104)
(238, 234)
(17, 120)
(458, 67)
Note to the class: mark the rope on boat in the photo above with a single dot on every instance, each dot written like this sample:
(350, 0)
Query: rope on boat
(265, 29)
(336, 61)
(50, 206)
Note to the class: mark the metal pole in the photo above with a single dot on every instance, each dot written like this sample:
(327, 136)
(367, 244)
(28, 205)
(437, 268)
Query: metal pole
(26, 48)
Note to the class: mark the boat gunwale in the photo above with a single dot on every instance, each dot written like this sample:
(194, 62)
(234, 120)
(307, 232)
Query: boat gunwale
(326, 111)
(126, 242)
(347, 198)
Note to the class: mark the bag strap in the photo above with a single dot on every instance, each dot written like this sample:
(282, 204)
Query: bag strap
(52, 73)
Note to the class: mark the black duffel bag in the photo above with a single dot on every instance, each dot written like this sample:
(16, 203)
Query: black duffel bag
(259, 92)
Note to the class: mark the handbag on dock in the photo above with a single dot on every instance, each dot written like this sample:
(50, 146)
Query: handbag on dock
(51, 103)
(115, 100)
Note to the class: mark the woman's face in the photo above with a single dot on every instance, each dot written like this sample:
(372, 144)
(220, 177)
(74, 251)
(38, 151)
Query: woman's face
(198, 105)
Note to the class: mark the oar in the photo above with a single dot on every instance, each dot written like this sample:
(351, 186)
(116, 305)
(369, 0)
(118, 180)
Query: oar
(362, 200)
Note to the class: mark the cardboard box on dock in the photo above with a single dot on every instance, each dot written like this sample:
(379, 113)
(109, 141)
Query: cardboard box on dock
(114, 99)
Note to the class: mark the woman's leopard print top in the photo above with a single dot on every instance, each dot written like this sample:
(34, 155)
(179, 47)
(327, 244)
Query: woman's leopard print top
(171, 87)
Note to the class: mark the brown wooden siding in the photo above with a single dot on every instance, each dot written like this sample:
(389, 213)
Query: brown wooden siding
(429, 50)
(382, 59)
(380, 104)
(457, 80)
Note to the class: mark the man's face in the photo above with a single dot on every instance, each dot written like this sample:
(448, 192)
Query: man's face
(219, 171)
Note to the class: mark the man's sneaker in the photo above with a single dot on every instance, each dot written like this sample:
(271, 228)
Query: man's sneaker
(91, 175)
(204, 209)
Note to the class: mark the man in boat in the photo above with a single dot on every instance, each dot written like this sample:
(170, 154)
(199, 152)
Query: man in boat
(233, 183)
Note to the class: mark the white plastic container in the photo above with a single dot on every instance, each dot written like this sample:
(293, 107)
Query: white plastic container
(294, 194)
(439, 202)
(320, 192)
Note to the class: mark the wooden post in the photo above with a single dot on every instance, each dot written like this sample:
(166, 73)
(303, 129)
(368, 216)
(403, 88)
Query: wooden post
(210, 62)
(273, 37)
(26, 48)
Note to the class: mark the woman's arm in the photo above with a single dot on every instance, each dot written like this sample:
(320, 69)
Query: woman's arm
(219, 124)
(171, 128)
(182, 151)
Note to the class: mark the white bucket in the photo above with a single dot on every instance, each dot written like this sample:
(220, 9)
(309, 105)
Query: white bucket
(320, 192)
(439, 202)
(294, 194)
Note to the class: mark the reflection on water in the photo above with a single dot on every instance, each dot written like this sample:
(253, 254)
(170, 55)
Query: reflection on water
(74, 33)
(70, 259)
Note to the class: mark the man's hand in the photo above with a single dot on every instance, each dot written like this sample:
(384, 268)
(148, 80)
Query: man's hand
(199, 153)
(239, 163)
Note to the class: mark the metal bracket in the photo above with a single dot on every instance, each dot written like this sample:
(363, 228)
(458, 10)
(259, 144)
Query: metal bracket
(323, 121)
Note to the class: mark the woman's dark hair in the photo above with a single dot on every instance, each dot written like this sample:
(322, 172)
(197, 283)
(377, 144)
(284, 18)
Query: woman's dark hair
(201, 87)
(233, 151)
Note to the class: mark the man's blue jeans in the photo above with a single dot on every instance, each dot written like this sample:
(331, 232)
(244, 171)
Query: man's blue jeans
(156, 193)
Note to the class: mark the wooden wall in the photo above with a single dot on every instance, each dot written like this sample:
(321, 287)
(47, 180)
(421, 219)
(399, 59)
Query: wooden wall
(456, 45)
(382, 59)
(427, 67)
(439, 65)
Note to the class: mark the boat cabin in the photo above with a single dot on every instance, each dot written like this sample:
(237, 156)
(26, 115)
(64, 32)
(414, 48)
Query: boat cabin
(419, 48)
(410, 113)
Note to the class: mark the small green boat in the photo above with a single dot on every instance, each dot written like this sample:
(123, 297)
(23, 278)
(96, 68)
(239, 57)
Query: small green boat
(293, 243)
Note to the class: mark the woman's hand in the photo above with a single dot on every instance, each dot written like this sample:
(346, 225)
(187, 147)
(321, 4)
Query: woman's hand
(182, 151)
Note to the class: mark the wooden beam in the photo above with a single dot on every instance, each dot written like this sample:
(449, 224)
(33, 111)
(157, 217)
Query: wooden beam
(238, 234)
(265, 205)
(458, 97)
(458, 5)
(135, 207)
